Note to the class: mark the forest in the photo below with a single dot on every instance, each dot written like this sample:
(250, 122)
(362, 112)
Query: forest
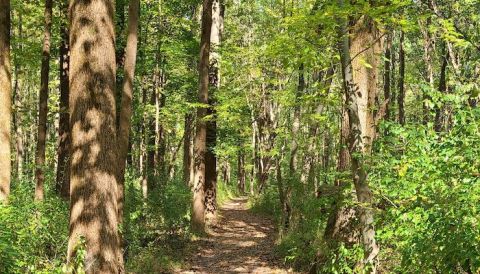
(240, 136)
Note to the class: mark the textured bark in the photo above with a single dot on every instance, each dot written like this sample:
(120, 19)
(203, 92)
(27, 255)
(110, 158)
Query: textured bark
(63, 151)
(5, 100)
(200, 145)
(360, 87)
(362, 124)
(93, 201)
(401, 82)
(43, 105)
(125, 118)
(214, 80)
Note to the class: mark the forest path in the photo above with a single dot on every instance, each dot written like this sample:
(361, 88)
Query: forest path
(239, 242)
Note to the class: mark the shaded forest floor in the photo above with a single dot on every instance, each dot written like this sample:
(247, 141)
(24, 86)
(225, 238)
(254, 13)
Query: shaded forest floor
(239, 242)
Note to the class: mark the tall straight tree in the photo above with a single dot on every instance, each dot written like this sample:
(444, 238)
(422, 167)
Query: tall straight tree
(401, 81)
(214, 74)
(5, 99)
(200, 141)
(127, 96)
(360, 82)
(63, 151)
(93, 171)
(43, 104)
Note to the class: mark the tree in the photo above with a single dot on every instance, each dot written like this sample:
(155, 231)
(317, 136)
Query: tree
(200, 145)
(401, 81)
(94, 163)
(211, 139)
(63, 151)
(5, 99)
(43, 104)
(127, 96)
(360, 74)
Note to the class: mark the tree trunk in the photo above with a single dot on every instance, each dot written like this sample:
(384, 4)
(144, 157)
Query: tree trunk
(401, 82)
(360, 84)
(93, 201)
(241, 174)
(63, 152)
(200, 142)
(387, 75)
(126, 102)
(5, 100)
(293, 163)
(362, 125)
(214, 80)
(442, 88)
(428, 49)
(151, 150)
(43, 105)
(17, 114)
(160, 132)
(187, 150)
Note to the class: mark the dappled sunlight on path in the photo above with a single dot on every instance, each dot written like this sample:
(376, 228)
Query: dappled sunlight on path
(239, 242)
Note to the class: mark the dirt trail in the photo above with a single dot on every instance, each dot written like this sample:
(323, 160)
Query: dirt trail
(240, 242)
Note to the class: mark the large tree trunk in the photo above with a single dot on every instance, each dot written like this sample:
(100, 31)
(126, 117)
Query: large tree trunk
(43, 105)
(401, 82)
(5, 100)
(200, 142)
(63, 151)
(214, 79)
(360, 83)
(126, 103)
(362, 124)
(93, 201)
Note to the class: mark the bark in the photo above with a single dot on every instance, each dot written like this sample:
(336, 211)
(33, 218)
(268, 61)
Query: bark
(187, 150)
(63, 152)
(17, 114)
(360, 86)
(93, 201)
(442, 88)
(293, 162)
(125, 118)
(5, 100)
(151, 149)
(387, 75)
(200, 145)
(362, 124)
(214, 80)
(401, 82)
(43, 106)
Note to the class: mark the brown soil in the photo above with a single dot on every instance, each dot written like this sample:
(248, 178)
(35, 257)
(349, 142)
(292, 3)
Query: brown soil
(239, 242)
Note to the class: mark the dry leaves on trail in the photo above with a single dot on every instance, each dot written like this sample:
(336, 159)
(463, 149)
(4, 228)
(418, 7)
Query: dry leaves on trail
(239, 242)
